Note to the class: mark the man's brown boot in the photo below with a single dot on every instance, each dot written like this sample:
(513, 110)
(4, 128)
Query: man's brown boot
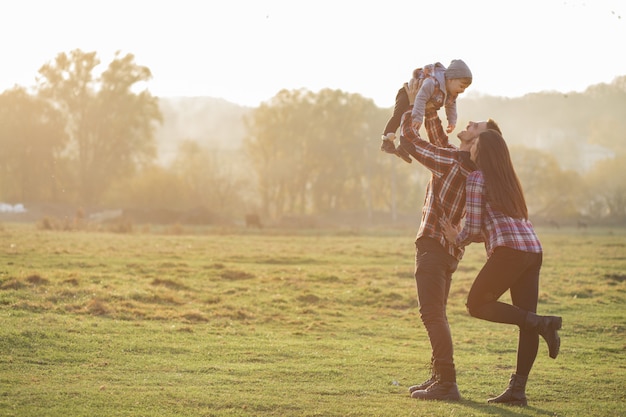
(444, 388)
(439, 390)
(423, 385)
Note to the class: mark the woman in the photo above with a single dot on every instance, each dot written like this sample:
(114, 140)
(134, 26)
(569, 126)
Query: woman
(497, 215)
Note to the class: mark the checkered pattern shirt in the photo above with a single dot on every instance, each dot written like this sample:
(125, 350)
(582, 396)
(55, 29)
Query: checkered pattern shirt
(449, 167)
(484, 224)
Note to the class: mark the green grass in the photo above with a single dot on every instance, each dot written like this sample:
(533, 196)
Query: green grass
(270, 324)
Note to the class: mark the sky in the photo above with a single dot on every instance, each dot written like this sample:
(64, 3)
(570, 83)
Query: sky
(246, 51)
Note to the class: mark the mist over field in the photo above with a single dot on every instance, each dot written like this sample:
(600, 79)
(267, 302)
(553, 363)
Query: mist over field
(559, 141)
(218, 124)
(301, 159)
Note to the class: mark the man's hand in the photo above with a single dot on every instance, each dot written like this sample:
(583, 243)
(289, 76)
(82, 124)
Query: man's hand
(411, 91)
(416, 124)
(450, 128)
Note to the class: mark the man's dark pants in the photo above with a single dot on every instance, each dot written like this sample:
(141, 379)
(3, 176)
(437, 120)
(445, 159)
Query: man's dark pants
(433, 274)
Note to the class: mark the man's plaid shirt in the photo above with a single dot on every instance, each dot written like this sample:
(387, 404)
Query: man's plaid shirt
(445, 193)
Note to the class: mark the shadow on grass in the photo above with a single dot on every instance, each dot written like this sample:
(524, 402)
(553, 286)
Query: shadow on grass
(504, 410)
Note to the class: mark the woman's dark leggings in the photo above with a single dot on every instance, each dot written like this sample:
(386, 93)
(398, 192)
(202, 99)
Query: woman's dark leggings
(517, 271)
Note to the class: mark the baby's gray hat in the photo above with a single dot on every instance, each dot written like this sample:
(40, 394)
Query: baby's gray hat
(458, 69)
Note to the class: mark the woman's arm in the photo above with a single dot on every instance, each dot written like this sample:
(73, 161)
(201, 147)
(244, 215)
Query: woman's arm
(474, 204)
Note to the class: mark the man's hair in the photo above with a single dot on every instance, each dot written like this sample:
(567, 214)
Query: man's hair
(491, 124)
(504, 190)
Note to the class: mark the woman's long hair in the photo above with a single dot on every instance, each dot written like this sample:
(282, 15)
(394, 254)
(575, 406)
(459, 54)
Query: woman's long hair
(504, 190)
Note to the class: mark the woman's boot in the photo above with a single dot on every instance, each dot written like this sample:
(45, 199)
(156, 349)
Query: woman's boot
(514, 394)
(547, 327)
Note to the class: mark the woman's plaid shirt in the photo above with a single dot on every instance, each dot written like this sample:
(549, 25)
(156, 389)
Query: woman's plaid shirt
(445, 193)
(483, 223)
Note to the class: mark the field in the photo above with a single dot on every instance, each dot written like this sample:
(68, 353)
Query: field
(269, 323)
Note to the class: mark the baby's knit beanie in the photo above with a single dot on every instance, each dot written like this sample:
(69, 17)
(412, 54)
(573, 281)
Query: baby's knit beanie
(458, 69)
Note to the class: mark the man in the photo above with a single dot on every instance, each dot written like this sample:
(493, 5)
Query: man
(436, 259)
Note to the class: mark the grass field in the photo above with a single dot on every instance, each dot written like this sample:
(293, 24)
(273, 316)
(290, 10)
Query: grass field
(265, 323)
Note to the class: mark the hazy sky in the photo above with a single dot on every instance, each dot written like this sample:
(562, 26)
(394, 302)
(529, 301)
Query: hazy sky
(245, 51)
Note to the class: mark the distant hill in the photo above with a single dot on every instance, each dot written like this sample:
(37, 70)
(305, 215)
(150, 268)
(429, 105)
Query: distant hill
(212, 122)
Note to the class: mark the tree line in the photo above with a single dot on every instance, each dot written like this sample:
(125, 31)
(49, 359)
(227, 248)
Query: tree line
(87, 140)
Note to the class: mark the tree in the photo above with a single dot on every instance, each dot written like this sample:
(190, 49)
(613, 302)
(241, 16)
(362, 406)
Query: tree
(31, 138)
(153, 186)
(606, 103)
(343, 123)
(551, 193)
(606, 182)
(276, 146)
(209, 179)
(111, 128)
(318, 152)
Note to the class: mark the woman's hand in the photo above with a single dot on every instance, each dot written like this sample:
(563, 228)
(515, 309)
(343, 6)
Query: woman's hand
(449, 230)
